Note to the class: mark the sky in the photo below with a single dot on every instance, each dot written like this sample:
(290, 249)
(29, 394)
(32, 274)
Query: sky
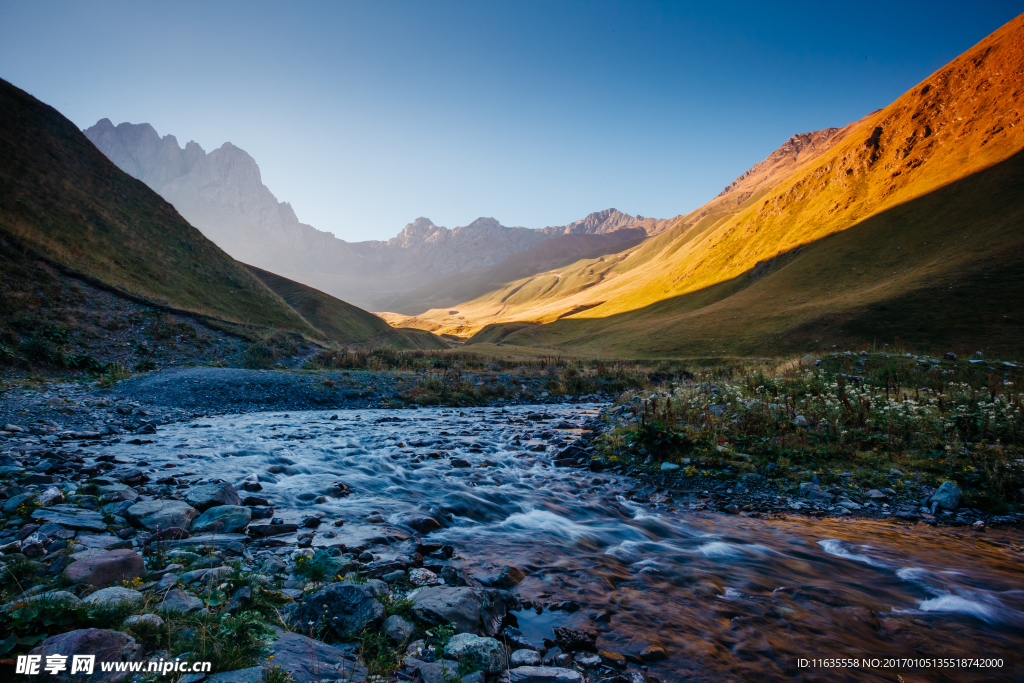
(367, 115)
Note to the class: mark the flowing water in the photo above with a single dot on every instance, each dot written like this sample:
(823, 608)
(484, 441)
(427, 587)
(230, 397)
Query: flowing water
(729, 598)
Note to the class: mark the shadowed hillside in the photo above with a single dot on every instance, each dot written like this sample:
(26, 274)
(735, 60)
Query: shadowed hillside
(60, 197)
(341, 322)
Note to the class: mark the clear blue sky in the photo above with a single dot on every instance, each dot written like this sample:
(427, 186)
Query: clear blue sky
(367, 115)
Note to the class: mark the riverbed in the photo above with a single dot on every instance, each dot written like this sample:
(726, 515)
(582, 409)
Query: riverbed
(728, 597)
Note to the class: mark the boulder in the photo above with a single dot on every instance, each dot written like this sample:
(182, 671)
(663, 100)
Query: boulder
(398, 630)
(63, 597)
(227, 519)
(467, 609)
(423, 577)
(311, 661)
(107, 568)
(161, 514)
(113, 596)
(947, 497)
(544, 674)
(433, 672)
(180, 601)
(484, 654)
(116, 492)
(571, 640)
(107, 646)
(204, 497)
(345, 608)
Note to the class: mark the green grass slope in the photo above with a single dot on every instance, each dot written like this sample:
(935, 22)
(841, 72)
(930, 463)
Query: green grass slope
(342, 322)
(63, 199)
(942, 271)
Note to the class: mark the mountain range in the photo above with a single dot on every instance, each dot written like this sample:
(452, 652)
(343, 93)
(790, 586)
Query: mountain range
(223, 195)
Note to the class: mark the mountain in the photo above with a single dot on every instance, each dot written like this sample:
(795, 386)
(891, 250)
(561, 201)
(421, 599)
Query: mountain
(222, 194)
(906, 223)
(65, 202)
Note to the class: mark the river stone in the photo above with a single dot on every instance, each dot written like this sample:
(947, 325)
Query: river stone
(508, 577)
(653, 653)
(311, 661)
(345, 608)
(180, 601)
(71, 518)
(107, 646)
(398, 630)
(812, 491)
(63, 597)
(485, 654)
(204, 497)
(161, 514)
(113, 596)
(423, 577)
(254, 674)
(669, 466)
(947, 497)
(433, 672)
(544, 674)
(226, 519)
(468, 610)
(107, 568)
(149, 620)
(116, 492)
(526, 658)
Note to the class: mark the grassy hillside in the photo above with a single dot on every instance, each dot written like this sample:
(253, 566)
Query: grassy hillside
(939, 272)
(884, 182)
(342, 322)
(63, 199)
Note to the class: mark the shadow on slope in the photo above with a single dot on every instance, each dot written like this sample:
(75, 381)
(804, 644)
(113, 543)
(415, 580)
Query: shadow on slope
(342, 322)
(945, 270)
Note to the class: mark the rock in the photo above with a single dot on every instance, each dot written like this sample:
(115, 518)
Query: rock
(115, 492)
(653, 653)
(393, 577)
(813, 491)
(848, 505)
(515, 638)
(63, 597)
(949, 355)
(947, 497)
(231, 543)
(227, 519)
(526, 658)
(204, 497)
(895, 472)
(433, 672)
(12, 503)
(875, 494)
(106, 646)
(240, 599)
(147, 620)
(508, 577)
(571, 640)
(148, 428)
(346, 609)
(71, 518)
(180, 601)
(421, 523)
(423, 577)
(459, 462)
(454, 576)
(468, 610)
(161, 514)
(262, 530)
(113, 596)
(613, 659)
(107, 568)
(484, 654)
(398, 630)
(669, 466)
(544, 674)
(254, 674)
(311, 661)
(50, 496)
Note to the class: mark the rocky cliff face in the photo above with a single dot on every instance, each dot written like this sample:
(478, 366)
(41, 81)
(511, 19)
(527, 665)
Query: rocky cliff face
(223, 195)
